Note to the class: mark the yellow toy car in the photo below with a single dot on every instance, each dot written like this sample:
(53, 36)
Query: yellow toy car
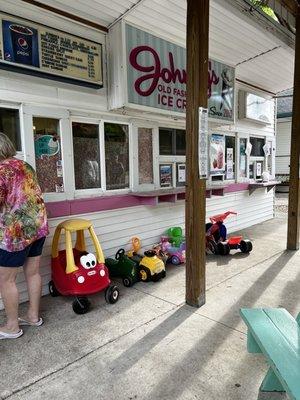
(151, 267)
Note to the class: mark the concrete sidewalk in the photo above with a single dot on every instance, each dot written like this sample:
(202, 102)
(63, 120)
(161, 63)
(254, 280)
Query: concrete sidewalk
(150, 345)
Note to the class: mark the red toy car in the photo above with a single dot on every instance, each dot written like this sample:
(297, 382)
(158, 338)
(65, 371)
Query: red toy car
(75, 272)
(216, 237)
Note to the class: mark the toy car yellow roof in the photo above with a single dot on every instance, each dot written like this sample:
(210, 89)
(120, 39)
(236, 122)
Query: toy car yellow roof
(78, 226)
(74, 225)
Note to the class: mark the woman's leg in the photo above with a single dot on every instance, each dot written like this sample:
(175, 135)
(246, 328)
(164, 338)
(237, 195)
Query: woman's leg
(34, 287)
(10, 298)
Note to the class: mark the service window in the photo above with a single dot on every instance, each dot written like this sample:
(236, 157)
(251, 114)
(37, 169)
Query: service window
(257, 147)
(171, 142)
(257, 158)
(48, 158)
(86, 150)
(116, 138)
(10, 125)
(172, 150)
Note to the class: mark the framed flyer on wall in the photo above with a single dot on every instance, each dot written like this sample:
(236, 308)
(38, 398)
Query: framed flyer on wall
(181, 175)
(217, 154)
(166, 175)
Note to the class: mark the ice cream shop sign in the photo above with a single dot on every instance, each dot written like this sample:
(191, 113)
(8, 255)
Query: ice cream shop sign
(156, 76)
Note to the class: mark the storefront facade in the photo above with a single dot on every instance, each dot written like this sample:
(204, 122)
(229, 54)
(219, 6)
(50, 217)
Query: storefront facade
(106, 133)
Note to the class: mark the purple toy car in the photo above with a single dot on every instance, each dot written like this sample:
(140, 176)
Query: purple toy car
(176, 255)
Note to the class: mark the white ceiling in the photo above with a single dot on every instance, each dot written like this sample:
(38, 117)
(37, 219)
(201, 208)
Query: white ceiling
(102, 12)
(260, 57)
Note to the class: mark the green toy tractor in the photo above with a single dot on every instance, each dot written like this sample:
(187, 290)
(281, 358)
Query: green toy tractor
(123, 267)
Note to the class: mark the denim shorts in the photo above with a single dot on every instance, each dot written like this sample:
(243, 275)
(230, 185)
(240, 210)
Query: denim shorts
(17, 259)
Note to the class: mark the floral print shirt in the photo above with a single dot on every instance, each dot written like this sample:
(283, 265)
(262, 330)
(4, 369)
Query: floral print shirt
(23, 217)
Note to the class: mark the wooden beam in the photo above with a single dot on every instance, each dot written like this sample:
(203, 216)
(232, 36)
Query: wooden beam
(197, 73)
(294, 191)
(291, 5)
(65, 14)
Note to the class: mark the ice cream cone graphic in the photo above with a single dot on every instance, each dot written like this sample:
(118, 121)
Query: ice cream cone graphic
(227, 84)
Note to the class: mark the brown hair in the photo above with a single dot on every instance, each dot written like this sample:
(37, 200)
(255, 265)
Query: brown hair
(7, 149)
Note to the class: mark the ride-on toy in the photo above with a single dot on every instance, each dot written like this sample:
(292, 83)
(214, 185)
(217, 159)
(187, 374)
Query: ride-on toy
(123, 267)
(176, 255)
(75, 272)
(151, 267)
(216, 237)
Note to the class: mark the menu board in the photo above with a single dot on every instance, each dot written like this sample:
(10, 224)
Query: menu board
(50, 51)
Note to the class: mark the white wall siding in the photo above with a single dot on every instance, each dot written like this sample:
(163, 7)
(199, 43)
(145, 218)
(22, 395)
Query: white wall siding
(115, 228)
(283, 147)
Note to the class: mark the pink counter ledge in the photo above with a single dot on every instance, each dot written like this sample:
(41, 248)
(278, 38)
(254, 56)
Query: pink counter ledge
(68, 208)
(95, 204)
(258, 185)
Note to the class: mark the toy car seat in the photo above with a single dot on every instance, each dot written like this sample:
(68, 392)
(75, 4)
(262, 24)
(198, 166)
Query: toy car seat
(219, 230)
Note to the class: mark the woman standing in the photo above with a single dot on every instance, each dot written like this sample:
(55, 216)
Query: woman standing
(23, 230)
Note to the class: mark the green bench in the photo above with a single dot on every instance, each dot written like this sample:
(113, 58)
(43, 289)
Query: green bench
(276, 334)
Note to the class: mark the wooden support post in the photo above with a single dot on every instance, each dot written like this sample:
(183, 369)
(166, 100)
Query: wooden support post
(294, 190)
(197, 78)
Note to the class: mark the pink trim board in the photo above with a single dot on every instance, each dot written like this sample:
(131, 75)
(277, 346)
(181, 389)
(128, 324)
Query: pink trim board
(68, 208)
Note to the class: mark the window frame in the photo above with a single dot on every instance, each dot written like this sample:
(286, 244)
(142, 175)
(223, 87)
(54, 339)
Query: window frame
(235, 136)
(102, 191)
(81, 193)
(130, 155)
(166, 159)
(216, 182)
(17, 106)
(29, 112)
(174, 142)
(256, 159)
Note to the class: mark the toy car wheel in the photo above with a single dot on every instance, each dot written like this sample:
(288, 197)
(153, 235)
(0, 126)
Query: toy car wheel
(223, 249)
(52, 289)
(175, 260)
(212, 247)
(163, 274)
(145, 274)
(127, 281)
(112, 294)
(156, 278)
(245, 246)
(81, 305)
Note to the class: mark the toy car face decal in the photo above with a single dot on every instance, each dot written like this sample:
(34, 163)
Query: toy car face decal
(88, 261)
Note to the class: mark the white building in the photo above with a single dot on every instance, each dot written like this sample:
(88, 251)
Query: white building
(100, 113)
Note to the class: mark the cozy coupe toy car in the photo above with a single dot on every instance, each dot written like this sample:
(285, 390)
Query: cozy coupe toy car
(123, 267)
(216, 237)
(75, 272)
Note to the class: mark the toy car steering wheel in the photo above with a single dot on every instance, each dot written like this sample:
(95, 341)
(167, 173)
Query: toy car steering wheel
(120, 253)
(150, 253)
